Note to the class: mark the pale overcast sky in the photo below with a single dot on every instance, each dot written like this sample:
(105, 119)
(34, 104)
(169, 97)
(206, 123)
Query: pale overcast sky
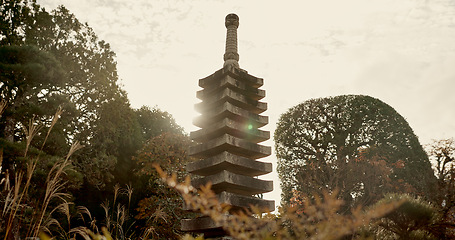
(400, 51)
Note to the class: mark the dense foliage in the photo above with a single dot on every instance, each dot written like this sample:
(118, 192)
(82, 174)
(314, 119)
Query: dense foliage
(161, 208)
(77, 160)
(396, 216)
(74, 65)
(50, 62)
(442, 154)
(356, 144)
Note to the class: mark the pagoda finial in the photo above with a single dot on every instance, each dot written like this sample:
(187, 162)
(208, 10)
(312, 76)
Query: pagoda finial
(231, 56)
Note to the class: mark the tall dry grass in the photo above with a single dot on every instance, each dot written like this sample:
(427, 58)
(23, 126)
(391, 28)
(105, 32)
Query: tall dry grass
(17, 193)
(115, 222)
(14, 196)
(54, 190)
(3, 104)
(15, 189)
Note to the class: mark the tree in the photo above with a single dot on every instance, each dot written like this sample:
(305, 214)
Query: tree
(115, 139)
(51, 59)
(14, 14)
(415, 218)
(92, 79)
(154, 122)
(30, 80)
(114, 158)
(442, 154)
(30, 85)
(343, 143)
(160, 208)
(89, 64)
(129, 131)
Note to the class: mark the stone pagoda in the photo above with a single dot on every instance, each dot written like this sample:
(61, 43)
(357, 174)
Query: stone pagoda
(227, 141)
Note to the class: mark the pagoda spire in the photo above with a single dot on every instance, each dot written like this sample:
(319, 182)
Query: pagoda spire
(231, 56)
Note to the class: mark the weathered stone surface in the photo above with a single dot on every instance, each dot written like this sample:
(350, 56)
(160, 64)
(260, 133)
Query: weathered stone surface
(227, 110)
(227, 81)
(231, 127)
(237, 73)
(228, 95)
(229, 162)
(238, 202)
(235, 183)
(230, 144)
(231, 56)
(202, 224)
(227, 143)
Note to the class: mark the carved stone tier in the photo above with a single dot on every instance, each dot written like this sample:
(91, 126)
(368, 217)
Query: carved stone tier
(235, 183)
(233, 97)
(240, 202)
(231, 127)
(225, 80)
(227, 110)
(231, 163)
(202, 225)
(230, 144)
(249, 82)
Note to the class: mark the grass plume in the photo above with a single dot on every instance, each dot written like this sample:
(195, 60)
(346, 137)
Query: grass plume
(3, 104)
(54, 189)
(57, 115)
(17, 192)
(30, 133)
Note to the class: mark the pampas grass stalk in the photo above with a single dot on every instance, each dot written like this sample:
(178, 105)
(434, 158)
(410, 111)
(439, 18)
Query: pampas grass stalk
(54, 185)
(57, 115)
(105, 206)
(30, 133)
(3, 104)
(116, 191)
(129, 191)
(15, 201)
(14, 198)
(74, 147)
(1, 161)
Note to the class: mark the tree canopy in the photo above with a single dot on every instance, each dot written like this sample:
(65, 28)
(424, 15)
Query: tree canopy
(356, 144)
(161, 208)
(442, 154)
(67, 46)
(31, 82)
(50, 61)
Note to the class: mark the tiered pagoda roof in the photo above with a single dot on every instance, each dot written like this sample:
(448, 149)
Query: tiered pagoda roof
(228, 139)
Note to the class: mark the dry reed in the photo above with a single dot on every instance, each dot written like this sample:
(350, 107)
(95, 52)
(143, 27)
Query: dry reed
(54, 183)
(57, 115)
(3, 104)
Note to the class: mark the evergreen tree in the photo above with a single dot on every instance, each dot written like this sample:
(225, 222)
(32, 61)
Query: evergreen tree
(356, 144)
